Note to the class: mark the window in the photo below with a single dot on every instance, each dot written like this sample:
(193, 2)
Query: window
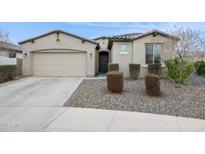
(124, 49)
(153, 53)
(12, 55)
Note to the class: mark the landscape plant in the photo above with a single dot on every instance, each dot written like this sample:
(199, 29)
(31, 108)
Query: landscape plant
(113, 67)
(154, 69)
(7, 72)
(115, 81)
(199, 67)
(152, 84)
(134, 70)
(179, 72)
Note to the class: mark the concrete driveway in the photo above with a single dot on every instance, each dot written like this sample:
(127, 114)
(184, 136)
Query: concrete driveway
(38, 91)
(30, 104)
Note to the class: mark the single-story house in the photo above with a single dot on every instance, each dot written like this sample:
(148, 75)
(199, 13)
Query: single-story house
(59, 53)
(9, 53)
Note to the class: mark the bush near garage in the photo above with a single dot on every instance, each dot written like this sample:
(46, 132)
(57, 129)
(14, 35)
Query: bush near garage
(113, 67)
(199, 67)
(134, 70)
(7, 72)
(154, 69)
(152, 84)
(115, 81)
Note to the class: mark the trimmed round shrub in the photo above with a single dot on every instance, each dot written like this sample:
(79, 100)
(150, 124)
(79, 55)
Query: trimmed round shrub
(115, 81)
(154, 69)
(7, 72)
(113, 67)
(152, 84)
(134, 70)
(199, 67)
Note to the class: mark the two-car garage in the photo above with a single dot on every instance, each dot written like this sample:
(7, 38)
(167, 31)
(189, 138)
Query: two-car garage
(59, 64)
(59, 53)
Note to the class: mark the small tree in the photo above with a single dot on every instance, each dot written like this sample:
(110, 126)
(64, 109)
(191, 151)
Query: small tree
(189, 41)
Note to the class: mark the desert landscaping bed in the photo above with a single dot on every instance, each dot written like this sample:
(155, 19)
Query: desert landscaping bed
(187, 101)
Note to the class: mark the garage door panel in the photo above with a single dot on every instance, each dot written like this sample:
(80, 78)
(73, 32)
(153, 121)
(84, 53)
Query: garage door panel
(59, 64)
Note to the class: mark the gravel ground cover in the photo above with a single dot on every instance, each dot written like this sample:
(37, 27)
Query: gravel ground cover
(187, 101)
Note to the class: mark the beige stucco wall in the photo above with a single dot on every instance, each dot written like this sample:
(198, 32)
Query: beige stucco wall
(103, 43)
(137, 52)
(67, 43)
(122, 59)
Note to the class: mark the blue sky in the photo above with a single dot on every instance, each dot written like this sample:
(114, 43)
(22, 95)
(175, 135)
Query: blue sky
(23, 30)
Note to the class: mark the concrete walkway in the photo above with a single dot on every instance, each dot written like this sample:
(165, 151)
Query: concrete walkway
(57, 119)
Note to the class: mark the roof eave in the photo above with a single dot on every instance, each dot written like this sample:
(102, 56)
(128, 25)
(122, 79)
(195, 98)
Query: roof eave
(158, 33)
(56, 31)
(121, 40)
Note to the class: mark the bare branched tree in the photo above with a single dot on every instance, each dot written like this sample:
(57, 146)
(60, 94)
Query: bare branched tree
(4, 35)
(190, 42)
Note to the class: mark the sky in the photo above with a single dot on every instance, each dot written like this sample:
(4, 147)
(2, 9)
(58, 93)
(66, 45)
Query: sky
(19, 31)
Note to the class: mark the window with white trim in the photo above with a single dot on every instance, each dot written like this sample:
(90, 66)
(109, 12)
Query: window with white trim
(153, 53)
(124, 49)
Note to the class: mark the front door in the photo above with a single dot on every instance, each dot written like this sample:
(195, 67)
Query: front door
(103, 62)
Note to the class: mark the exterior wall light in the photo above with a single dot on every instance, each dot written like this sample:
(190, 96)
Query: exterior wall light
(57, 39)
(91, 55)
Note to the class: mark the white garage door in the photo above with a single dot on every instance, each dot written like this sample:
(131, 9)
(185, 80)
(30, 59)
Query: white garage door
(59, 64)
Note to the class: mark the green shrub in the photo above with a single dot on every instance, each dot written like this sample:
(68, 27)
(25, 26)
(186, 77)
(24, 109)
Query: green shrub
(134, 70)
(199, 67)
(113, 67)
(7, 72)
(115, 81)
(154, 69)
(152, 84)
(178, 71)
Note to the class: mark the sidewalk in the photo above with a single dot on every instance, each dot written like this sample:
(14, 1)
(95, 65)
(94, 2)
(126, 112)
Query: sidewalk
(79, 119)
(65, 119)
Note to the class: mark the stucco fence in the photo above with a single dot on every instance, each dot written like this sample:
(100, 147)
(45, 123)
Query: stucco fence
(19, 65)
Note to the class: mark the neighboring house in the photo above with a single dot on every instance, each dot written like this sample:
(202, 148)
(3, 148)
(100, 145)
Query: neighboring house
(9, 53)
(59, 53)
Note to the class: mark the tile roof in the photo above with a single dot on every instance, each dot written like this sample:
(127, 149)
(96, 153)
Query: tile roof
(133, 36)
(128, 36)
